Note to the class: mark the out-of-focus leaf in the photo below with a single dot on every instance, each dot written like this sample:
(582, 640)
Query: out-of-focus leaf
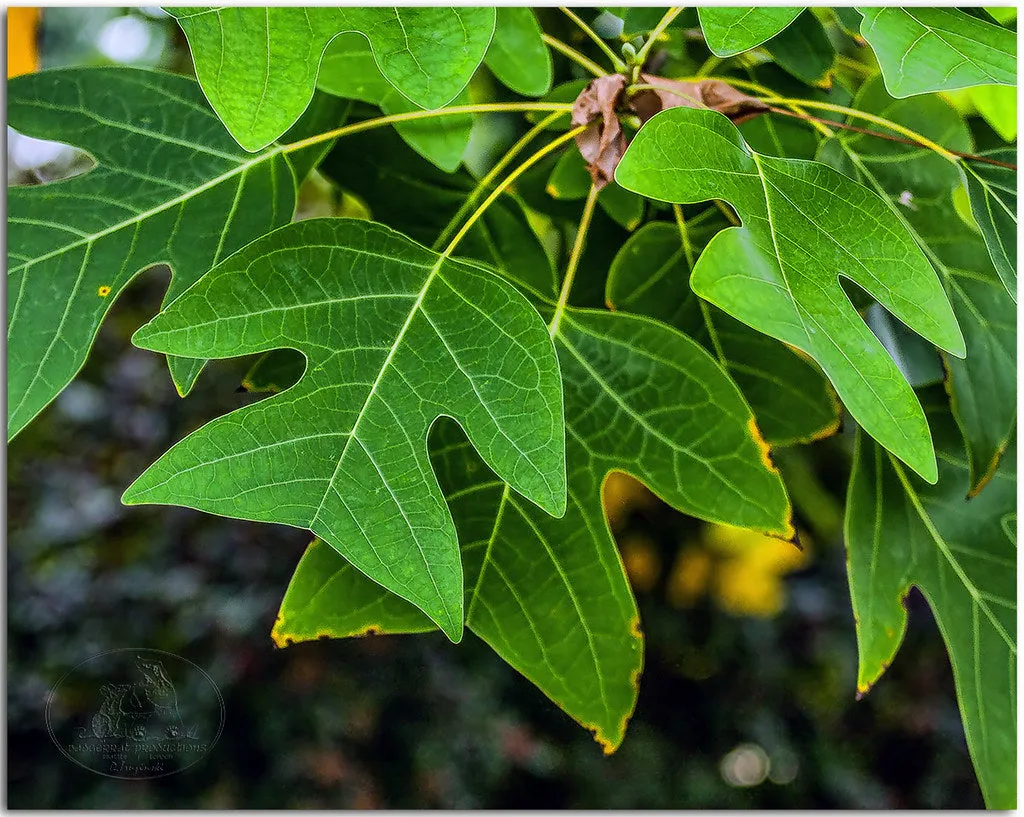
(394, 336)
(804, 50)
(901, 533)
(517, 55)
(805, 225)
(998, 105)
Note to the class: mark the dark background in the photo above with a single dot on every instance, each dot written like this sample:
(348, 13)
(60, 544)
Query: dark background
(414, 721)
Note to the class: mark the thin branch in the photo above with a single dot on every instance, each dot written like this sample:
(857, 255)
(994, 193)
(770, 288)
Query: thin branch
(666, 20)
(380, 121)
(574, 55)
(515, 174)
(574, 260)
(493, 173)
(877, 134)
(616, 61)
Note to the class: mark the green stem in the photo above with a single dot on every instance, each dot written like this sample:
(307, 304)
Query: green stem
(616, 61)
(705, 312)
(920, 139)
(666, 20)
(381, 121)
(574, 55)
(501, 188)
(574, 260)
(493, 173)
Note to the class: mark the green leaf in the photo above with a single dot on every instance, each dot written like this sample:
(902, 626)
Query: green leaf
(348, 70)
(805, 226)
(993, 196)
(924, 49)
(258, 66)
(518, 56)
(394, 336)
(550, 595)
(919, 185)
(410, 195)
(570, 181)
(791, 399)
(804, 50)
(730, 31)
(170, 186)
(902, 533)
(998, 105)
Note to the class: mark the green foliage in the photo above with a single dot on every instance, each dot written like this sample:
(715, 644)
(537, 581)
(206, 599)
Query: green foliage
(394, 336)
(902, 533)
(730, 31)
(258, 66)
(938, 49)
(445, 420)
(807, 225)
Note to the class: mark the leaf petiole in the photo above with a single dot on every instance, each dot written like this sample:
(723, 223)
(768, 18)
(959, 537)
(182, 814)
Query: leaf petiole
(616, 61)
(390, 119)
(574, 260)
(574, 55)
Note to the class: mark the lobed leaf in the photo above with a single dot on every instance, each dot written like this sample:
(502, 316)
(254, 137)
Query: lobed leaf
(902, 533)
(170, 186)
(791, 399)
(258, 66)
(394, 336)
(805, 225)
(551, 595)
(924, 49)
(919, 185)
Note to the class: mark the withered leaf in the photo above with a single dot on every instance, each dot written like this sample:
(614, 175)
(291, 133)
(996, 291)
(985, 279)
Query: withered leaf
(603, 144)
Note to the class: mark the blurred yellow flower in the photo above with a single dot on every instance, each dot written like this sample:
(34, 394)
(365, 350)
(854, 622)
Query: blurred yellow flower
(22, 40)
(742, 571)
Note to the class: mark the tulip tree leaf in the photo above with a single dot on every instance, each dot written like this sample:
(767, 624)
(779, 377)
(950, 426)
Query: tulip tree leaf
(258, 66)
(348, 70)
(170, 186)
(518, 56)
(550, 595)
(993, 196)
(394, 336)
(791, 399)
(900, 533)
(919, 185)
(923, 49)
(805, 226)
(730, 31)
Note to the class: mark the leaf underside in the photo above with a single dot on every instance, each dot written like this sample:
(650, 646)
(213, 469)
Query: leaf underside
(900, 533)
(394, 336)
(730, 31)
(168, 187)
(805, 225)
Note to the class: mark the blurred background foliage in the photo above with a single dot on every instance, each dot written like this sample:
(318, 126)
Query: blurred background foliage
(748, 694)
